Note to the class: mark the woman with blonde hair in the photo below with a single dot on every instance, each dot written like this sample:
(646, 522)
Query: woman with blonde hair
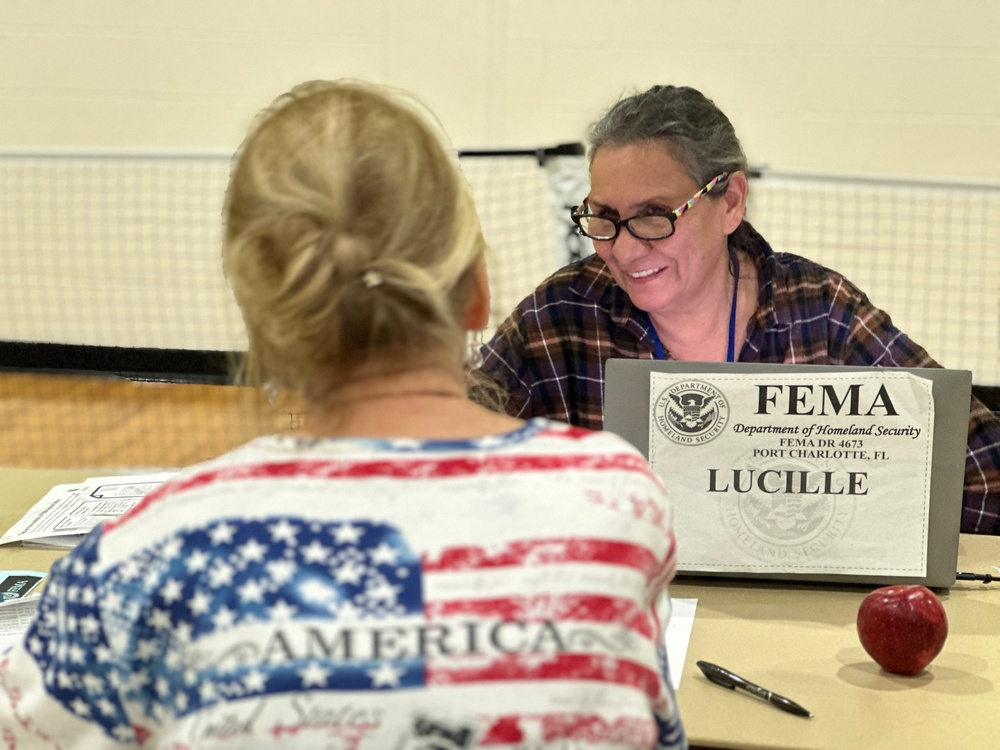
(410, 569)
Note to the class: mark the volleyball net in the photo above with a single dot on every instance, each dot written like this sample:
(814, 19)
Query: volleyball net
(110, 265)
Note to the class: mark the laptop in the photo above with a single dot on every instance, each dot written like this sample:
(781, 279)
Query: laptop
(629, 413)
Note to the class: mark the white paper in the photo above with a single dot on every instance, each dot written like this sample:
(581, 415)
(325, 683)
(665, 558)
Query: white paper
(17, 603)
(678, 636)
(812, 472)
(16, 616)
(67, 512)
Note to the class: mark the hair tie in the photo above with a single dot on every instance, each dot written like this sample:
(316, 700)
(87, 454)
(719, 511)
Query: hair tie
(372, 279)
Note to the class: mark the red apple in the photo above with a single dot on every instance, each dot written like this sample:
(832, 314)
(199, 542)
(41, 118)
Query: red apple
(902, 627)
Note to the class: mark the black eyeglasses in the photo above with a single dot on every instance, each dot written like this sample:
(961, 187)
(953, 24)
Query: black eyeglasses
(642, 227)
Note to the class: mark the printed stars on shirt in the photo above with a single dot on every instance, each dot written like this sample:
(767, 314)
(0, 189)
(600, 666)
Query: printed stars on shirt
(113, 601)
(182, 632)
(197, 561)
(314, 675)
(207, 692)
(92, 683)
(384, 554)
(385, 675)
(252, 551)
(283, 531)
(251, 591)
(349, 572)
(159, 619)
(315, 552)
(80, 707)
(222, 533)
(201, 603)
(281, 611)
(220, 575)
(172, 591)
(223, 618)
(106, 707)
(382, 591)
(254, 681)
(162, 687)
(281, 571)
(88, 596)
(77, 655)
(347, 533)
(131, 568)
(132, 639)
(146, 649)
(172, 547)
(90, 626)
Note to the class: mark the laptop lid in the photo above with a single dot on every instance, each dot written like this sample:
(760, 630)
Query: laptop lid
(628, 412)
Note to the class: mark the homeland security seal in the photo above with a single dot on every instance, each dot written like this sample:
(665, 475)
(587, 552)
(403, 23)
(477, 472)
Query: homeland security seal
(691, 412)
(785, 528)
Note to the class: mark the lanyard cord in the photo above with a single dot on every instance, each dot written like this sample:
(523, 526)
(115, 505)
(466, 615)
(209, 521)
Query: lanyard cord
(731, 348)
(660, 353)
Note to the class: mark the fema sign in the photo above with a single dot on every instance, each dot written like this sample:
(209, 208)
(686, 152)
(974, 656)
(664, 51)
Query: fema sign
(799, 471)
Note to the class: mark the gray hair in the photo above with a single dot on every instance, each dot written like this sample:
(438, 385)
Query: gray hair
(687, 123)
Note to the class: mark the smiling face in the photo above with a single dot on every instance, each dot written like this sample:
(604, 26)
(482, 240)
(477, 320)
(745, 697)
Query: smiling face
(679, 274)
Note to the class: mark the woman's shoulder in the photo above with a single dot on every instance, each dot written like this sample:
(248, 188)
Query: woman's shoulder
(562, 307)
(798, 265)
(785, 268)
(571, 435)
(797, 277)
(608, 449)
(587, 278)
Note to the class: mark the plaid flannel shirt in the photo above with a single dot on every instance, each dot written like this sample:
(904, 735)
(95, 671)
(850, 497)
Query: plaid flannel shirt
(549, 354)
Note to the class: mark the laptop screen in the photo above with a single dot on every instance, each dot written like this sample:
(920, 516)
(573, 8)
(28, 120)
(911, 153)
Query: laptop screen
(802, 472)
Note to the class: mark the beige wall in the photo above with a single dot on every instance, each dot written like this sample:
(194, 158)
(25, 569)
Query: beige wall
(125, 250)
(903, 87)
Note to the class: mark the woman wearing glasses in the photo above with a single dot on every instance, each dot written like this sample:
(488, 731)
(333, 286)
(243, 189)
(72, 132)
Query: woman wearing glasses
(679, 273)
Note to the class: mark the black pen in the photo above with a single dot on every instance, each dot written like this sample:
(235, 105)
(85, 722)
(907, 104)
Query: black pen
(727, 679)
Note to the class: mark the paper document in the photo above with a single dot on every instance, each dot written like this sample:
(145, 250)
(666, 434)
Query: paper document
(17, 605)
(15, 618)
(678, 636)
(67, 512)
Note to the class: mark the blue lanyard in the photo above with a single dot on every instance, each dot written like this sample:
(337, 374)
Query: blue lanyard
(660, 353)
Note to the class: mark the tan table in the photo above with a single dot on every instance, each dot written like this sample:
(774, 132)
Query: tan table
(799, 641)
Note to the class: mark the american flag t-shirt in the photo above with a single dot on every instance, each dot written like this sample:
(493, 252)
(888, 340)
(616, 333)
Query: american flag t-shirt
(381, 617)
